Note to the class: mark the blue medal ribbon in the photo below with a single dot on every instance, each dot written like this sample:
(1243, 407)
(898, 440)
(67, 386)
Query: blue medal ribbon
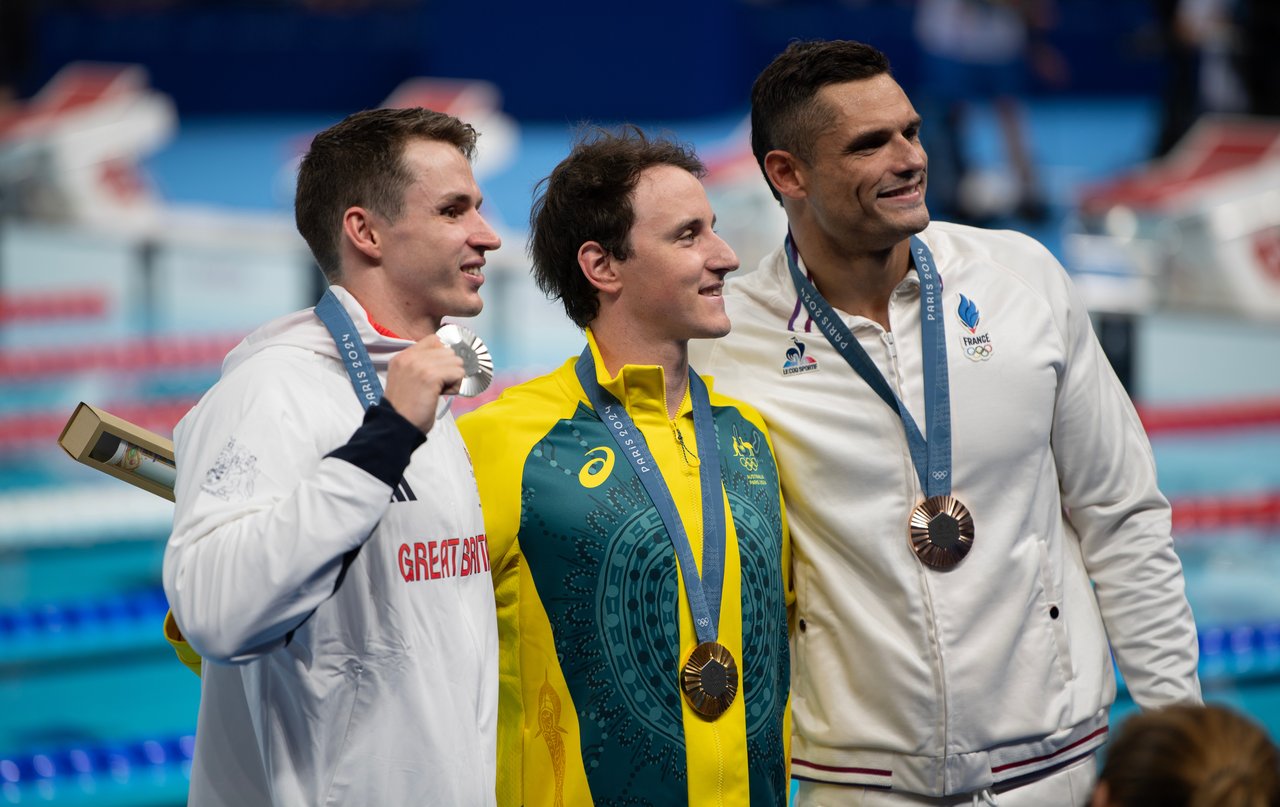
(364, 379)
(351, 349)
(931, 458)
(703, 590)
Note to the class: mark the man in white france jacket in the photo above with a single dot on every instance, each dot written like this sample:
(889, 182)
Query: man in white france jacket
(328, 557)
(972, 499)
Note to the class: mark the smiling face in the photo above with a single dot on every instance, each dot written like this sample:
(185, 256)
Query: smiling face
(864, 182)
(673, 278)
(433, 253)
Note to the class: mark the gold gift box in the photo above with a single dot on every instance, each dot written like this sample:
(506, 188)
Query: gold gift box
(92, 436)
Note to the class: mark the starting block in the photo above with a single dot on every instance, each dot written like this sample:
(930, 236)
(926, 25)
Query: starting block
(1203, 224)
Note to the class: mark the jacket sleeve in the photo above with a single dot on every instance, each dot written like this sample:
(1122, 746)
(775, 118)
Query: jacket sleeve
(1108, 480)
(496, 445)
(497, 461)
(270, 497)
(788, 585)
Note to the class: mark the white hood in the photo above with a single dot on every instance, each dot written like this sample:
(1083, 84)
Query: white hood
(304, 329)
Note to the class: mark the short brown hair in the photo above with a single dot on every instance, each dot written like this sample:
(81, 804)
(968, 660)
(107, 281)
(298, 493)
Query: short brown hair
(1192, 756)
(588, 197)
(785, 112)
(358, 162)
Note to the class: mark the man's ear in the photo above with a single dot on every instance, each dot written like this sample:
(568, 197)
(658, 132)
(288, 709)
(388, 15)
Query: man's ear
(787, 173)
(361, 231)
(599, 267)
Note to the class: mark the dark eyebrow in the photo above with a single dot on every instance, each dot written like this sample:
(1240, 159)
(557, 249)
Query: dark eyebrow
(875, 137)
(460, 198)
(695, 224)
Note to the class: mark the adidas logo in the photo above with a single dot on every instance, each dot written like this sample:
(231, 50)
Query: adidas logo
(403, 493)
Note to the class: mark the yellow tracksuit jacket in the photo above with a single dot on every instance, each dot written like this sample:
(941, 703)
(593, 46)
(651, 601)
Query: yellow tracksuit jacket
(594, 623)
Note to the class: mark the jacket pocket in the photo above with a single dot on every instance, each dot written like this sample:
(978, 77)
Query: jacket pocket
(338, 790)
(1052, 612)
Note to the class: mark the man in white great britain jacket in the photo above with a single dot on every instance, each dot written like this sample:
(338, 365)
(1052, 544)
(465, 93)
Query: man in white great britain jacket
(964, 659)
(328, 561)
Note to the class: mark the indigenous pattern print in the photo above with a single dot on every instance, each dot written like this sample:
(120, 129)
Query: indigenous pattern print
(606, 574)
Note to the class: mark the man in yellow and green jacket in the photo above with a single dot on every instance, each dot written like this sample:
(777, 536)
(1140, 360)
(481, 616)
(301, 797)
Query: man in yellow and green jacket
(597, 632)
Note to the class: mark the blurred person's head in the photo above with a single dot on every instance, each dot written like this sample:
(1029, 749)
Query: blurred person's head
(839, 143)
(624, 219)
(387, 202)
(1190, 756)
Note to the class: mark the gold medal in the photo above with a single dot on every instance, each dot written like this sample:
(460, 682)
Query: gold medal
(710, 679)
(941, 532)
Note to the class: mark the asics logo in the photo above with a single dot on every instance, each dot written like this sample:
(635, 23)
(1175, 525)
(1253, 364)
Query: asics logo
(597, 470)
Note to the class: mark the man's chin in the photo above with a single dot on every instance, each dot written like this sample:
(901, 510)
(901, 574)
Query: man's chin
(715, 331)
(467, 309)
(912, 224)
(917, 220)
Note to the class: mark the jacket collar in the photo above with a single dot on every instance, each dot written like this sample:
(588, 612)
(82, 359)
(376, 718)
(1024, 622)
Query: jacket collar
(641, 388)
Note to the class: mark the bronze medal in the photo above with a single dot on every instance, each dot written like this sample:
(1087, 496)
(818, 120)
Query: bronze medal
(941, 532)
(710, 679)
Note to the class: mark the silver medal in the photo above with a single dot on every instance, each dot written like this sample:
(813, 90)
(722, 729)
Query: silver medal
(476, 361)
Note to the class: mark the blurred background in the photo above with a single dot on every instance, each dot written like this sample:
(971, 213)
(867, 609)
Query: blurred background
(147, 158)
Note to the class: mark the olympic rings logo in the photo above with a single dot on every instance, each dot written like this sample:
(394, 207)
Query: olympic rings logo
(979, 352)
(746, 451)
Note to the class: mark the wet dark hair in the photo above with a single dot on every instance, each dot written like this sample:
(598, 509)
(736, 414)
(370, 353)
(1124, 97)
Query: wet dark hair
(588, 197)
(785, 111)
(358, 162)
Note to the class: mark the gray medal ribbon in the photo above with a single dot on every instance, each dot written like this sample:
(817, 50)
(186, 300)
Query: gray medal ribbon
(354, 355)
(703, 590)
(931, 458)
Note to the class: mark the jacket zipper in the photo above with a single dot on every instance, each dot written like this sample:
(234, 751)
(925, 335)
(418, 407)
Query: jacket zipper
(693, 489)
(892, 346)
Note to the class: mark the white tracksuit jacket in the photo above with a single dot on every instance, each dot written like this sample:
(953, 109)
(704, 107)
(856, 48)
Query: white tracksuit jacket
(947, 682)
(387, 694)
